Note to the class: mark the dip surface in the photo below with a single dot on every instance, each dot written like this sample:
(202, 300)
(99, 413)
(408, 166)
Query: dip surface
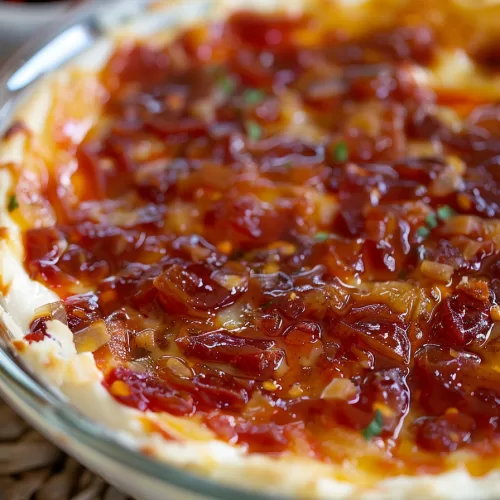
(286, 234)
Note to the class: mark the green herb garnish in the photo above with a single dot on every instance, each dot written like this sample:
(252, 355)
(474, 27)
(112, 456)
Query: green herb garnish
(374, 428)
(445, 212)
(340, 152)
(423, 231)
(254, 130)
(253, 96)
(13, 204)
(431, 221)
(265, 305)
(226, 83)
(321, 236)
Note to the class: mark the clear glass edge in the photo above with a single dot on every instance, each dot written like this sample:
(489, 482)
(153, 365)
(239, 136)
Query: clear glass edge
(18, 386)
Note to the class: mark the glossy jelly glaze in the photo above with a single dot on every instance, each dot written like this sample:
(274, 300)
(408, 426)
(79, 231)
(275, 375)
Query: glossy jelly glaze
(277, 231)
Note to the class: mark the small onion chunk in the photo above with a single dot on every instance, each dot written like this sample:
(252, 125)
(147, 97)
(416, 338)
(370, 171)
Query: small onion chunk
(92, 337)
(340, 388)
(54, 310)
(177, 366)
(465, 225)
(437, 271)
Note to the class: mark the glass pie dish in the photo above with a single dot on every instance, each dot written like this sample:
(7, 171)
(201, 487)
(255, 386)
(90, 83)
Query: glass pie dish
(93, 445)
(259, 242)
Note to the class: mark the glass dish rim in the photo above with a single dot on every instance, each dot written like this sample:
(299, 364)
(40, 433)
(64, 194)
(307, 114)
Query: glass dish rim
(18, 385)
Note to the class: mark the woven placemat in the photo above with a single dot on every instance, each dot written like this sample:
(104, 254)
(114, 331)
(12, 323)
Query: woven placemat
(33, 468)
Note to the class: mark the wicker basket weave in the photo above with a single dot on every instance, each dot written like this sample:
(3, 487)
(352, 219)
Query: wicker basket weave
(33, 468)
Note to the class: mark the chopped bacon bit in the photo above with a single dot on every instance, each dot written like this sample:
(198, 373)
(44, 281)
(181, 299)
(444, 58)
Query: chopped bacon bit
(476, 288)
(445, 433)
(462, 319)
(258, 358)
(35, 337)
(38, 330)
(144, 392)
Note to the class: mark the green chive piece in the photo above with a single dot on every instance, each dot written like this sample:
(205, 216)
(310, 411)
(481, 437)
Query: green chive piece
(321, 236)
(265, 305)
(226, 84)
(340, 152)
(13, 204)
(445, 212)
(253, 96)
(423, 232)
(254, 130)
(374, 428)
(431, 221)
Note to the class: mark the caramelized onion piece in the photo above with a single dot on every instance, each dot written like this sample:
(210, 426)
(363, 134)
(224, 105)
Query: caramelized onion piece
(177, 366)
(142, 365)
(54, 311)
(145, 339)
(437, 271)
(449, 179)
(92, 337)
(340, 388)
(462, 224)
